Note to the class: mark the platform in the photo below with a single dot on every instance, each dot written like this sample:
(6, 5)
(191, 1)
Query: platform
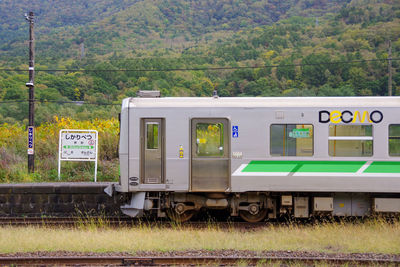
(57, 199)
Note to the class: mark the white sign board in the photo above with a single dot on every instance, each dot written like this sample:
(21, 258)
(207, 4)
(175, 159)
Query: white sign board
(78, 145)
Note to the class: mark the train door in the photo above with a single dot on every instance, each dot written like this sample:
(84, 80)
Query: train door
(210, 161)
(152, 151)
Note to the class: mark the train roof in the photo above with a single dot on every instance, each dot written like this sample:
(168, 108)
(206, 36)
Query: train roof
(253, 102)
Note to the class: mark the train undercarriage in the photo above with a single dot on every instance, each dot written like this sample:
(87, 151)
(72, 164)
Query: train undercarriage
(260, 206)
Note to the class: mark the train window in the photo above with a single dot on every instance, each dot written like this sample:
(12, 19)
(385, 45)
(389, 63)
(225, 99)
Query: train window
(350, 140)
(152, 135)
(210, 139)
(291, 140)
(394, 140)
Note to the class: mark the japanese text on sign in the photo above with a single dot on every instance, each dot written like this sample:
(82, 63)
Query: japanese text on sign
(78, 145)
(300, 133)
(31, 136)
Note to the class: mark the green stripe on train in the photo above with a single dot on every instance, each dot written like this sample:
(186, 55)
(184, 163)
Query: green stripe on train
(383, 167)
(303, 166)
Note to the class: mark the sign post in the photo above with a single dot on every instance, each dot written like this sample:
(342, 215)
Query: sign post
(31, 86)
(78, 145)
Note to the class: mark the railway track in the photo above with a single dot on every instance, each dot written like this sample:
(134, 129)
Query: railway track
(122, 221)
(64, 221)
(132, 222)
(182, 261)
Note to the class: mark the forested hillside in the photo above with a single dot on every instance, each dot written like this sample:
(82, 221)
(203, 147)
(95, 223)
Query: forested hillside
(106, 26)
(190, 48)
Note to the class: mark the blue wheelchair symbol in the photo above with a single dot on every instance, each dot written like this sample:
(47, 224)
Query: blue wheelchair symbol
(235, 131)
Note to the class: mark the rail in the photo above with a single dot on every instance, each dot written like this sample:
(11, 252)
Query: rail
(123, 221)
(182, 260)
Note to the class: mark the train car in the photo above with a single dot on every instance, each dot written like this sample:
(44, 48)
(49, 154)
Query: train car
(259, 157)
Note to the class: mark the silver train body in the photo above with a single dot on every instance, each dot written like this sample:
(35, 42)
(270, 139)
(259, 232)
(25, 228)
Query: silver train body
(260, 157)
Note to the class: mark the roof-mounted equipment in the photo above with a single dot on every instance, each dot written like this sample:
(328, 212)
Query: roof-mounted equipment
(148, 94)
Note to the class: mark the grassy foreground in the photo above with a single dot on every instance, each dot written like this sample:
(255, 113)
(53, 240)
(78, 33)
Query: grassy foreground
(372, 236)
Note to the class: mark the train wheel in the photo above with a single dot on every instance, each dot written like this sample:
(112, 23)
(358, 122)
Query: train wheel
(180, 218)
(248, 217)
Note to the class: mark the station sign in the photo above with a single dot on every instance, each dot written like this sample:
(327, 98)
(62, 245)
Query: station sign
(78, 145)
(31, 140)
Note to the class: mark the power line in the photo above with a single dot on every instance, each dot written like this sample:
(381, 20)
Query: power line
(184, 57)
(13, 101)
(78, 103)
(203, 69)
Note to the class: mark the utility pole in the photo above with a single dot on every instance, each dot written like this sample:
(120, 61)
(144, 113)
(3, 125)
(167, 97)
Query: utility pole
(390, 69)
(31, 86)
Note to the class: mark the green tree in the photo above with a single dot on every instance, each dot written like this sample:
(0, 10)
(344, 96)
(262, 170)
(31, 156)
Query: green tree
(286, 70)
(313, 69)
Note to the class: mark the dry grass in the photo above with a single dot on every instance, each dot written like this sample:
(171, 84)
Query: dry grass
(373, 236)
